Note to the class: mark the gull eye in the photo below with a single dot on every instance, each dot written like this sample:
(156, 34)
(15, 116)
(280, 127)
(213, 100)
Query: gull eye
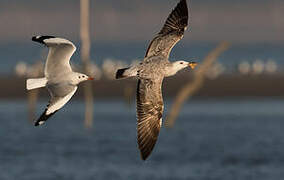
(83, 76)
(79, 77)
(181, 62)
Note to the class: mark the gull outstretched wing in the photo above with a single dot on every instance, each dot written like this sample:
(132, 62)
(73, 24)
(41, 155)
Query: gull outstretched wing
(149, 114)
(171, 33)
(60, 52)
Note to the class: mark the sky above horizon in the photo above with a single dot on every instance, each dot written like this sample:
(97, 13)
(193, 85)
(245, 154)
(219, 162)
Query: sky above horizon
(251, 21)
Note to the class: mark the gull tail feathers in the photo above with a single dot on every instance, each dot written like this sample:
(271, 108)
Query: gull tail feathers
(36, 83)
(121, 73)
(126, 72)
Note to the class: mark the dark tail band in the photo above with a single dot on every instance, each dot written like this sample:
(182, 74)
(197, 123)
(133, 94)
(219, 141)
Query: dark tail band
(120, 72)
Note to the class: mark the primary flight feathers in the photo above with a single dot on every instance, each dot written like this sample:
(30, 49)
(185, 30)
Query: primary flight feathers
(41, 39)
(171, 33)
(177, 20)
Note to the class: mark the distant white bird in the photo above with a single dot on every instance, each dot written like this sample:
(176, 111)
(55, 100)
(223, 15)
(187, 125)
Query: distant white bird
(60, 80)
(151, 72)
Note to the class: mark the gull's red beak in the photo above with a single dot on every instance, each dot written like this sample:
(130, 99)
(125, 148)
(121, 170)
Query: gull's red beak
(90, 78)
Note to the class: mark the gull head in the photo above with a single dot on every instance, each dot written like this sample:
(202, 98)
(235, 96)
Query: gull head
(179, 65)
(80, 77)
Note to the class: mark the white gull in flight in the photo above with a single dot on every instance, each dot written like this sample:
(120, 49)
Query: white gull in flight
(151, 72)
(60, 80)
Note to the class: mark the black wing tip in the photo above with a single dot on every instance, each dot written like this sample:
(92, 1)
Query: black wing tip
(145, 152)
(144, 156)
(182, 10)
(183, 1)
(37, 123)
(43, 118)
(177, 20)
(146, 145)
(41, 39)
(182, 5)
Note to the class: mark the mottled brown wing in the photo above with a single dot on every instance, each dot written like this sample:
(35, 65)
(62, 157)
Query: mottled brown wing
(171, 32)
(149, 114)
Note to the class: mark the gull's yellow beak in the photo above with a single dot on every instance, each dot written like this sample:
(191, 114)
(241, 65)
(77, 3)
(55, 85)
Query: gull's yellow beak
(192, 65)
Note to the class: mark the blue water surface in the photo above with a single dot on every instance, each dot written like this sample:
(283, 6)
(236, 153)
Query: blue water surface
(215, 139)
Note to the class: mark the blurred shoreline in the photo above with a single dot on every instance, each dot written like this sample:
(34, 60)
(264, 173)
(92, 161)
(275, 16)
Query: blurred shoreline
(223, 86)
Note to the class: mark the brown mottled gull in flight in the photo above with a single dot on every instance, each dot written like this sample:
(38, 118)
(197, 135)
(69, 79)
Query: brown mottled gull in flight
(151, 72)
